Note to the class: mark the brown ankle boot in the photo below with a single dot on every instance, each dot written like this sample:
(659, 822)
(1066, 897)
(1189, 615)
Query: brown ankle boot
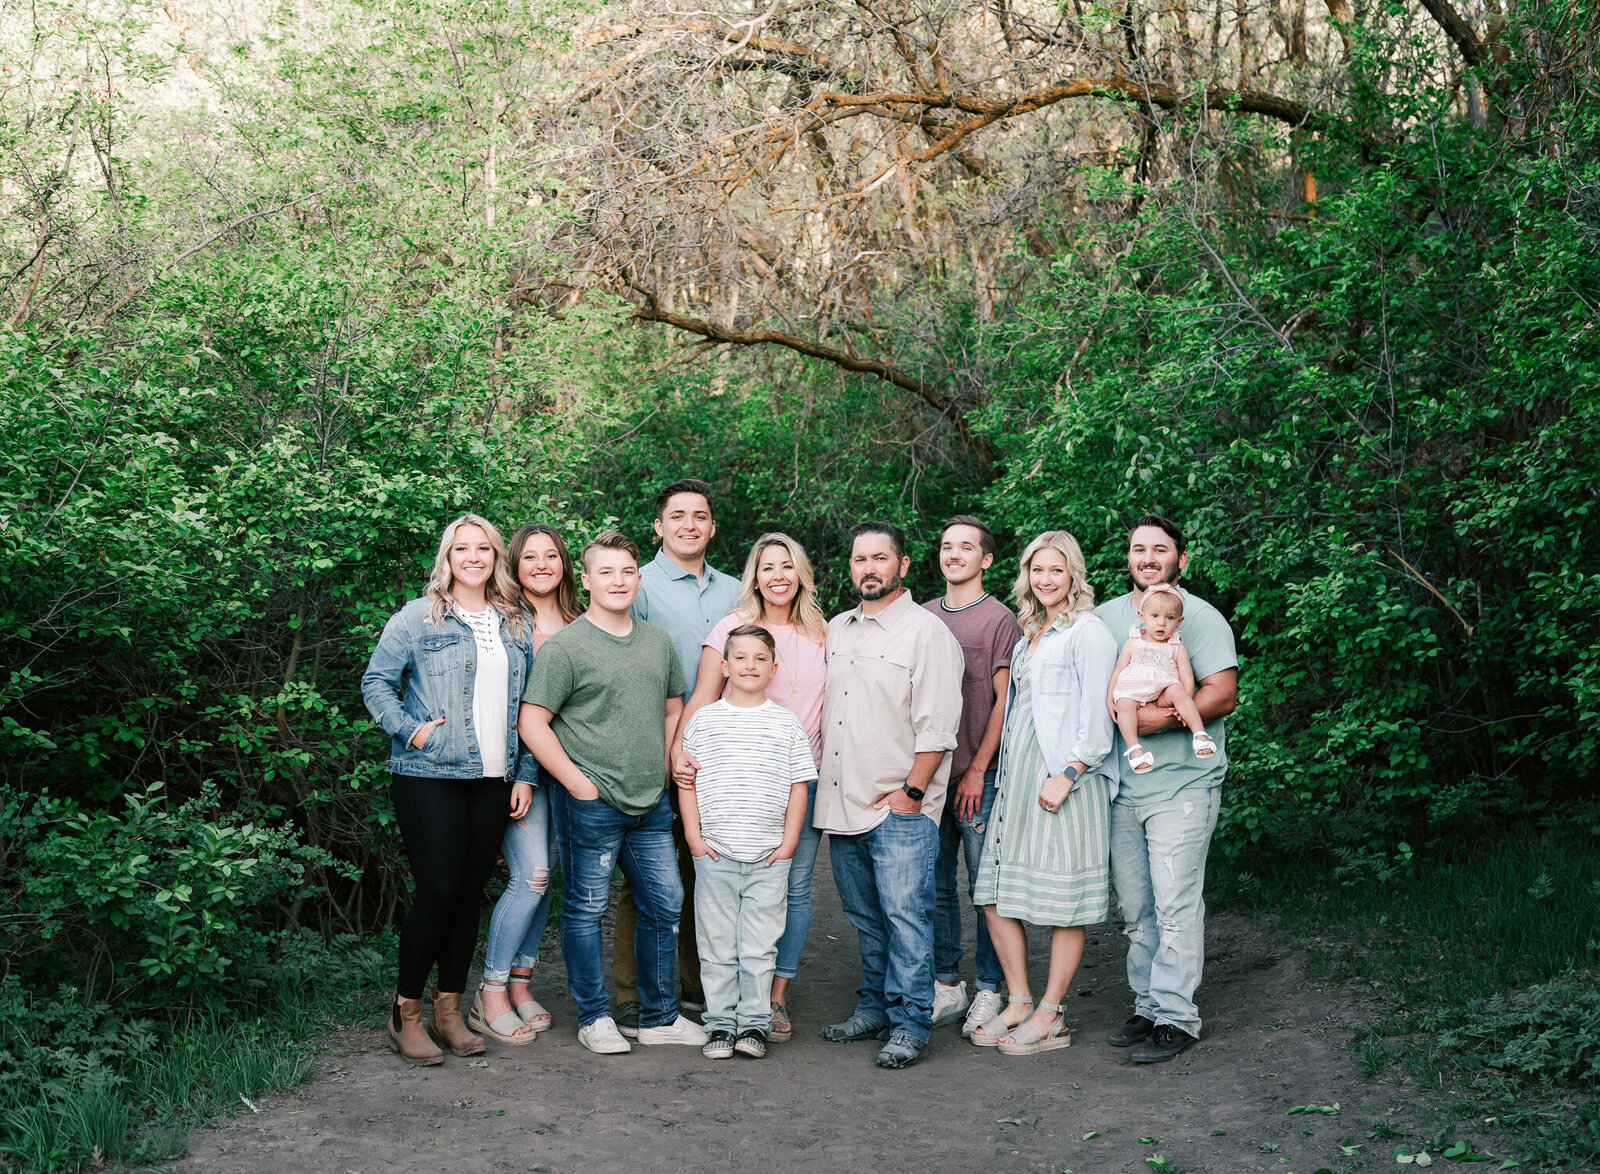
(448, 1029)
(406, 1034)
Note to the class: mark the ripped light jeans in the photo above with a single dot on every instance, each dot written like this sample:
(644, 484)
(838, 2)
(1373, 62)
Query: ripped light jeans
(797, 921)
(517, 925)
(1158, 867)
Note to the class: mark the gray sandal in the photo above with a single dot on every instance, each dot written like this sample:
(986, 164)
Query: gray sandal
(505, 1025)
(989, 1034)
(1025, 1040)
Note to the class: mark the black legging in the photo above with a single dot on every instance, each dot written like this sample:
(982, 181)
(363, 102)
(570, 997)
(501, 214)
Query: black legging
(452, 830)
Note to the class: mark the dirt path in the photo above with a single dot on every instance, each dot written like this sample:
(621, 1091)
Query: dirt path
(1272, 1041)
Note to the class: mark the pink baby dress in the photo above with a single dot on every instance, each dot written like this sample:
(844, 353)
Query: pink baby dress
(1150, 670)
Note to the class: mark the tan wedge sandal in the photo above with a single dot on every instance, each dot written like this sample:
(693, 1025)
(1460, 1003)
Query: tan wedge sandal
(989, 1034)
(1025, 1040)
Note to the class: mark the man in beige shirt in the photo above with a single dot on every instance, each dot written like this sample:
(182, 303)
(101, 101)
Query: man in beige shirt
(889, 718)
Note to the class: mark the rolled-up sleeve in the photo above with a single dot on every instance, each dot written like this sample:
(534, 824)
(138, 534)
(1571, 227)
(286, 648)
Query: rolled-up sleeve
(936, 691)
(381, 683)
(1094, 656)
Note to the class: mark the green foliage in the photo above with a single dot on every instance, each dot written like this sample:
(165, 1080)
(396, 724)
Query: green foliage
(1545, 1033)
(1373, 421)
(153, 901)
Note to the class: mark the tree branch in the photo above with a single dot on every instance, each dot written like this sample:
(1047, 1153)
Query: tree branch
(945, 404)
(1458, 30)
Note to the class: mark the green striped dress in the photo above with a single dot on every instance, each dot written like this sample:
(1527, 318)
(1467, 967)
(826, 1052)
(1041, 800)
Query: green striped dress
(1047, 868)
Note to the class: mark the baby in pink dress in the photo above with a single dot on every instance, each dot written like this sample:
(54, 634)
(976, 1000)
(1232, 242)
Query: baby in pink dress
(1154, 666)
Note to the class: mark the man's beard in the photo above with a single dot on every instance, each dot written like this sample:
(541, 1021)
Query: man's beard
(1136, 587)
(878, 591)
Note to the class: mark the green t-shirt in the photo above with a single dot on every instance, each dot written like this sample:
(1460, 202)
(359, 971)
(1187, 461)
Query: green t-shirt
(609, 696)
(1209, 642)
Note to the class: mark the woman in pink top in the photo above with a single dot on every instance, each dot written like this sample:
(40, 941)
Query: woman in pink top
(545, 573)
(779, 592)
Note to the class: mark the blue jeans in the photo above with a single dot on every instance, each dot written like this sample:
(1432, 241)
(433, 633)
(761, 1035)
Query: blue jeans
(517, 925)
(592, 837)
(1158, 867)
(797, 922)
(738, 915)
(957, 836)
(885, 882)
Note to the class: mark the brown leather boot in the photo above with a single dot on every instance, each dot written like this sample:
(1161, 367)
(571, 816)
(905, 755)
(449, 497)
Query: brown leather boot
(406, 1034)
(448, 1028)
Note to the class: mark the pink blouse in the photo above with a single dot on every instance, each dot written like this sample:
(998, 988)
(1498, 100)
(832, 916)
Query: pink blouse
(797, 686)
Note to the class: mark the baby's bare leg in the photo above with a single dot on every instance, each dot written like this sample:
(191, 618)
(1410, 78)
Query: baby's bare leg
(1128, 720)
(1183, 701)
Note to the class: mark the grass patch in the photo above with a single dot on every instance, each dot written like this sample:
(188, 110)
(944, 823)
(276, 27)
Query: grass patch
(1487, 958)
(82, 1086)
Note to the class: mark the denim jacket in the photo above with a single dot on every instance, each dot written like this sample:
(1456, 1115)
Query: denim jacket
(420, 671)
(1070, 673)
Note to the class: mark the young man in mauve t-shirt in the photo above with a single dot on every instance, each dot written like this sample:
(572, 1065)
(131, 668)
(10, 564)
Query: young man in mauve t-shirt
(987, 631)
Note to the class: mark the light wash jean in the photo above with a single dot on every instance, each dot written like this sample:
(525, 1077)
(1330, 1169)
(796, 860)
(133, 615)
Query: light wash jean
(516, 927)
(885, 882)
(797, 922)
(738, 916)
(592, 838)
(1158, 867)
(955, 837)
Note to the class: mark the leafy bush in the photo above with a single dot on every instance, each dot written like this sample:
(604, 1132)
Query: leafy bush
(154, 900)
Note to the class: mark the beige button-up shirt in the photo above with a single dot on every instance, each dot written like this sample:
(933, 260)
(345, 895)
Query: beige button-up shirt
(893, 691)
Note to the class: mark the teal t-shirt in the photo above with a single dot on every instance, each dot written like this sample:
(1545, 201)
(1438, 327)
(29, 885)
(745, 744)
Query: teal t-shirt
(1208, 639)
(609, 696)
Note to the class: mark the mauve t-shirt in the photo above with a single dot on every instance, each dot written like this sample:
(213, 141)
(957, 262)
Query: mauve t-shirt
(987, 632)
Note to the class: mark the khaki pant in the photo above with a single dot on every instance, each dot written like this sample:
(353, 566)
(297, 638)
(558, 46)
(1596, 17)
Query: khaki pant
(624, 963)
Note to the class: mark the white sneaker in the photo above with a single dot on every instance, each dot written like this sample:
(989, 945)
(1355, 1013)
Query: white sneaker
(985, 1006)
(602, 1037)
(949, 1001)
(679, 1031)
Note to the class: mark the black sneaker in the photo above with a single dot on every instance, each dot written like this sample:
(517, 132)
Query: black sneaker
(627, 1018)
(752, 1042)
(1135, 1031)
(719, 1046)
(1166, 1041)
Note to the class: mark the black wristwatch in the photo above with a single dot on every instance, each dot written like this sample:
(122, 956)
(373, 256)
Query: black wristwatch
(916, 793)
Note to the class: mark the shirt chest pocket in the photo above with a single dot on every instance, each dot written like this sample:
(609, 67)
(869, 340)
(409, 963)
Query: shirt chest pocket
(1058, 678)
(440, 653)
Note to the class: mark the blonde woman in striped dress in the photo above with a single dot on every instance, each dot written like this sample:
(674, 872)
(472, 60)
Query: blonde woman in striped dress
(1046, 857)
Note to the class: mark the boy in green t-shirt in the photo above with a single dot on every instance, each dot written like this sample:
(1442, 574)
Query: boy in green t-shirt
(600, 699)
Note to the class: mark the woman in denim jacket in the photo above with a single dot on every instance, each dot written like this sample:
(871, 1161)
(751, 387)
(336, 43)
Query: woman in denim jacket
(549, 586)
(1047, 853)
(445, 683)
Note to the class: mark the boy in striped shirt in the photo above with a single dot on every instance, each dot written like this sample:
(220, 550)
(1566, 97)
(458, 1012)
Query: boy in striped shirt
(742, 820)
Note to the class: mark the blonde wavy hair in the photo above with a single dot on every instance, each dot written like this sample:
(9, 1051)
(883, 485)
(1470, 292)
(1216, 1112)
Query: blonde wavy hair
(805, 611)
(1080, 596)
(501, 590)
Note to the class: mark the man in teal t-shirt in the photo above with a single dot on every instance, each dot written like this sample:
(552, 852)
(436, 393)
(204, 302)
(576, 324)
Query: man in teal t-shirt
(1161, 821)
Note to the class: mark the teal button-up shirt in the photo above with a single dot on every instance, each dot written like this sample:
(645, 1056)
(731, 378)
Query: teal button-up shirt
(672, 598)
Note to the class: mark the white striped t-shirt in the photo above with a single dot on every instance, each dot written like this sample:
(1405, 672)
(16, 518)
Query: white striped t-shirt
(749, 758)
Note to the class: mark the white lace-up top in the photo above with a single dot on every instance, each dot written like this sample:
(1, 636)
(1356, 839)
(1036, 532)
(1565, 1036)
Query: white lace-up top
(490, 682)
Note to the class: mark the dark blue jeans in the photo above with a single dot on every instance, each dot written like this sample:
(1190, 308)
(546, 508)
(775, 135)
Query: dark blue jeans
(591, 838)
(955, 837)
(885, 882)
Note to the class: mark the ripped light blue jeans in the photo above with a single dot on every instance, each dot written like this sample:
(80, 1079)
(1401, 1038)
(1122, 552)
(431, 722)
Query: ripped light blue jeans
(1158, 867)
(797, 921)
(517, 925)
